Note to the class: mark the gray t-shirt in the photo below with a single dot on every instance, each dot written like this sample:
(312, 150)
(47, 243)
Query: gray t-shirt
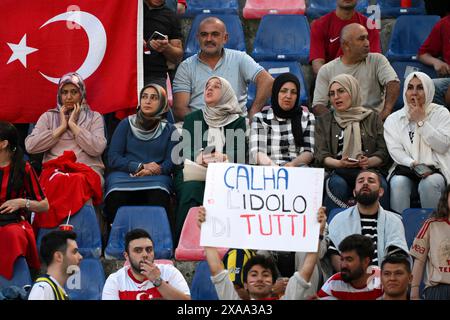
(372, 74)
(235, 66)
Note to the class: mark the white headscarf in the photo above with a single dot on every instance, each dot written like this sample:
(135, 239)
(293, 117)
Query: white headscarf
(428, 88)
(421, 150)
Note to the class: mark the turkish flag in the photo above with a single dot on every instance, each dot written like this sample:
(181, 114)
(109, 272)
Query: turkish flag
(40, 40)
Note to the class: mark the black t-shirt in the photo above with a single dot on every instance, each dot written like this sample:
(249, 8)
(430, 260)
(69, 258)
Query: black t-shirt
(166, 22)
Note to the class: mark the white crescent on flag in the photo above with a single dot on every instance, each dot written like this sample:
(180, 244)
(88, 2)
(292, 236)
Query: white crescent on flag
(95, 32)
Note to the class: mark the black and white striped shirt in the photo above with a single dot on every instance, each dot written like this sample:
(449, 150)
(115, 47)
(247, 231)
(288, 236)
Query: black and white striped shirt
(273, 136)
(369, 229)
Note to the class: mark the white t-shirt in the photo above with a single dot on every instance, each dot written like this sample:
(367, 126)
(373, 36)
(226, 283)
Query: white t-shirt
(43, 291)
(122, 285)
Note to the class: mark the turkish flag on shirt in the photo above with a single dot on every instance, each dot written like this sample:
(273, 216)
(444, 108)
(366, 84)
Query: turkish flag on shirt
(40, 40)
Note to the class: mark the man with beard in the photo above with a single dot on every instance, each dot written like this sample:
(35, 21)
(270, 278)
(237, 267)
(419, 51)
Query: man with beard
(396, 277)
(215, 60)
(355, 281)
(142, 278)
(368, 218)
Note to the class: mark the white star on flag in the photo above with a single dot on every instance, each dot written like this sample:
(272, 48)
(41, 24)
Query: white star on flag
(20, 51)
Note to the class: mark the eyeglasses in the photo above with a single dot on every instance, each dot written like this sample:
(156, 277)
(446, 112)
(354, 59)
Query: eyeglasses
(338, 92)
(153, 97)
(286, 91)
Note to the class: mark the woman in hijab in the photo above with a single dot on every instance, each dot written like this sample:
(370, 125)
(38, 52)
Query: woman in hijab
(283, 135)
(139, 156)
(72, 125)
(72, 140)
(348, 139)
(207, 135)
(418, 140)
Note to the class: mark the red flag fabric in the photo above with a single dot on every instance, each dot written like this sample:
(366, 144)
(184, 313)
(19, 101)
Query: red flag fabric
(40, 40)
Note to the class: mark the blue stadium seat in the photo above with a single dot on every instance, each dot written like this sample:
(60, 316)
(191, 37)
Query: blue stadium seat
(236, 39)
(21, 276)
(318, 8)
(392, 8)
(88, 283)
(282, 37)
(85, 225)
(403, 69)
(408, 35)
(150, 218)
(196, 7)
(333, 213)
(202, 287)
(413, 219)
(275, 68)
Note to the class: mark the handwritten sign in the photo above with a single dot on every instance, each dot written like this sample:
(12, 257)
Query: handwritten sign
(260, 207)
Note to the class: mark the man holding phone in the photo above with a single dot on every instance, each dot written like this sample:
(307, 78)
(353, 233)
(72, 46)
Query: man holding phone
(162, 41)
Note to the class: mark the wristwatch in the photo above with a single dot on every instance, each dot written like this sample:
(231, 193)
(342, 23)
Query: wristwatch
(27, 204)
(140, 167)
(420, 123)
(157, 282)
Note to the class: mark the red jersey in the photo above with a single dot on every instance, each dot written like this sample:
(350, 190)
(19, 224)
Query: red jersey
(325, 34)
(336, 288)
(438, 42)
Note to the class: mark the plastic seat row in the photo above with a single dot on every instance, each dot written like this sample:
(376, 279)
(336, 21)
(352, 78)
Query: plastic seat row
(256, 9)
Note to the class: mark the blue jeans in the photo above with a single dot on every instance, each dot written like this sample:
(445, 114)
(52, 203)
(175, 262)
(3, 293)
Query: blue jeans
(441, 86)
(430, 190)
(343, 192)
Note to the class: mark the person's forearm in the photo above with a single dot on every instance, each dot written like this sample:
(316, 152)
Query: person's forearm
(336, 262)
(170, 293)
(304, 158)
(317, 64)
(214, 261)
(181, 105)
(417, 273)
(37, 206)
(263, 159)
(375, 162)
(307, 269)
(392, 93)
(331, 163)
(263, 83)
(174, 53)
(428, 59)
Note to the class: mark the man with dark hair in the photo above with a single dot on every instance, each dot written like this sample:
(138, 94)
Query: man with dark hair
(159, 51)
(59, 251)
(396, 277)
(368, 218)
(355, 281)
(141, 278)
(215, 60)
(260, 272)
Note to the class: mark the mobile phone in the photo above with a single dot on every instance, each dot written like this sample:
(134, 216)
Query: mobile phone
(209, 149)
(422, 170)
(353, 160)
(157, 36)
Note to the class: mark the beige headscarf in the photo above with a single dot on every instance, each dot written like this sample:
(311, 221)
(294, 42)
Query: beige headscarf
(349, 119)
(226, 111)
(223, 113)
